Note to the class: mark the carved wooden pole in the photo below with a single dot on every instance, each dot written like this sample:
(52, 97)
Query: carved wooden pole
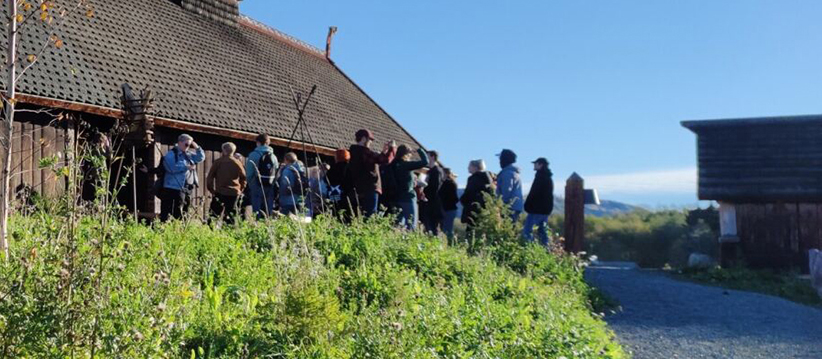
(574, 214)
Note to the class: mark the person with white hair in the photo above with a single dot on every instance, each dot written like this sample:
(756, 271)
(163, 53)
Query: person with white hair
(226, 180)
(179, 169)
(479, 184)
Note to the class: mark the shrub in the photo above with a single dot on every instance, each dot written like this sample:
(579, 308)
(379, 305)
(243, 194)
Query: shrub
(112, 288)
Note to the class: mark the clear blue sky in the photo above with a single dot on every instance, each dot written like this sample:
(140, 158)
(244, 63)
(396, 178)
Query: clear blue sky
(596, 87)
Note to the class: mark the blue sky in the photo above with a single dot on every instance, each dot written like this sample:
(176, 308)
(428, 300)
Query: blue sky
(596, 87)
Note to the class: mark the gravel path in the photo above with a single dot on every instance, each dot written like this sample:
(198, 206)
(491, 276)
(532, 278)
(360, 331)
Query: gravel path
(666, 318)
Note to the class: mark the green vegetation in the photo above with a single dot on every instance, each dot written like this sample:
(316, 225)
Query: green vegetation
(89, 285)
(777, 283)
(651, 239)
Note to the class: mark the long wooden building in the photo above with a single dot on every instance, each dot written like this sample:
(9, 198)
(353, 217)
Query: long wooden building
(213, 73)
(766, 173)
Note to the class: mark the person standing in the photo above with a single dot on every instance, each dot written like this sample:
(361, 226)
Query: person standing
(261, 174)
(450, 199)
(406, 180)
(509, 184)
(292, 182)
(473, 199)
(180, 177)
(434, 212)
(340, 189)
(226, 180)
(540, 203)
(364, 171)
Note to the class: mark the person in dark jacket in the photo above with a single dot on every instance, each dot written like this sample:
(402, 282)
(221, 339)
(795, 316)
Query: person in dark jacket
(340, 189)
(473, 199)
(364, 171)
(406, 197)
(226, 181)
(434, 212)
(449, 198)
(540, 203)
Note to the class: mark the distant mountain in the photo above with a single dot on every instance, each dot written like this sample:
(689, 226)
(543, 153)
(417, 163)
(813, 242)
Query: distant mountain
(604, 209)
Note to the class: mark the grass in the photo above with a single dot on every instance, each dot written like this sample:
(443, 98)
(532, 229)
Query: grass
(93, 286)
(777, 283)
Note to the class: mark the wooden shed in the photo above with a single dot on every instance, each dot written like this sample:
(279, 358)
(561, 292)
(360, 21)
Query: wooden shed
(766, 173)
(214, 73)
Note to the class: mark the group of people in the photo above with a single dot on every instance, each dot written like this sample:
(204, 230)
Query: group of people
(411, 184)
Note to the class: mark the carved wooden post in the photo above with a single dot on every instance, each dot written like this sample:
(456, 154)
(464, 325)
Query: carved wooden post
(574, 213)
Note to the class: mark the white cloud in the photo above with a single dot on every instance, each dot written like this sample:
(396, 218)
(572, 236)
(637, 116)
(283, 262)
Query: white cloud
(677, 181)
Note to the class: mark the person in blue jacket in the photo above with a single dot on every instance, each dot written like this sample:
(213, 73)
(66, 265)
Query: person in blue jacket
(180, 178)
(261, 174)
(293, 183)
(509, 184)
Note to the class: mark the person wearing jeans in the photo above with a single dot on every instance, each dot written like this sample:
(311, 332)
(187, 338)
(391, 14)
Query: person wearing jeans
(261, 173)
(509, 184)
(540, 203)
(406, 195)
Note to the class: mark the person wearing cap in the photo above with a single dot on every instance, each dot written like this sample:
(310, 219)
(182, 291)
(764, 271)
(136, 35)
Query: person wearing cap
(364, 171)
(509, 184)
(540, 203)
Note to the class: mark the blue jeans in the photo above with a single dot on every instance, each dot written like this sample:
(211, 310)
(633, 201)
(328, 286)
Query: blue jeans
(369, 204)
(515, 215)
(541, 222)
(262, 199)
(448, 223)
(409, 214)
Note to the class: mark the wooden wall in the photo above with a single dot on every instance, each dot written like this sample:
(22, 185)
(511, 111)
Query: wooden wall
(36, 137)
(779, 234)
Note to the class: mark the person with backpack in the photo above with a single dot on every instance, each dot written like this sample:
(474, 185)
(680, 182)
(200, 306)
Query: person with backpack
(540, 203)
(293, 183)
(226, 180)
(261, 174)
(364, 171)
(401, 185)
(179, 176)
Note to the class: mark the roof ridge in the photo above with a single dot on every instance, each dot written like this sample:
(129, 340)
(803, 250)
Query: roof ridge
(282, 35)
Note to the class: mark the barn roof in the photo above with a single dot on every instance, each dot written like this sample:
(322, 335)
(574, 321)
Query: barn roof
(767, 159)
(232, 75)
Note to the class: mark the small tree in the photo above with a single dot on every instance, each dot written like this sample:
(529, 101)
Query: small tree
(20, 15)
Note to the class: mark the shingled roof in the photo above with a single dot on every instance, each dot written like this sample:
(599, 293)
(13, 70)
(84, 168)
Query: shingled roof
(203, 71)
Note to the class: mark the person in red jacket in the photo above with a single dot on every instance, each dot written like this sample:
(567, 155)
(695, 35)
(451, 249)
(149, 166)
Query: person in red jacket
(364, 171)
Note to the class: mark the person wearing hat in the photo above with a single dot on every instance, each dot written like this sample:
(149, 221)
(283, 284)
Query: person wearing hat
(509, 184)
(540, 203)
(364, 171)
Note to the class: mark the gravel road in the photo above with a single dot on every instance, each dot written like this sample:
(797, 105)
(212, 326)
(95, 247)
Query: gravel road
(666, 318)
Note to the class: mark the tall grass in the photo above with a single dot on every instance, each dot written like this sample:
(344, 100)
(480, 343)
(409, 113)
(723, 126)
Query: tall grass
(114, 288)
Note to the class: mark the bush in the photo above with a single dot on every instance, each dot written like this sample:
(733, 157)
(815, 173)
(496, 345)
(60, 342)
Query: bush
(94, 286)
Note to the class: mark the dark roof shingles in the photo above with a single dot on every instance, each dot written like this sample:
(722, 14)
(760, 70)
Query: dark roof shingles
(201, 71)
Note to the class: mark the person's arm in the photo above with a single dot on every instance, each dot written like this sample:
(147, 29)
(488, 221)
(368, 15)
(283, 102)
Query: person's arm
(251, 167)
(243, 181)
(211, 177)
(415, 165)
(384, 158)
(198, 156)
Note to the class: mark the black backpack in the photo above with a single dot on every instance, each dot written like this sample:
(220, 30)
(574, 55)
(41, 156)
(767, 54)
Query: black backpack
(390, 188)
(266, 168)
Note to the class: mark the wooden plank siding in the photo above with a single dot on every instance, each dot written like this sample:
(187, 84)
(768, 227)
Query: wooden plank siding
(779, 234)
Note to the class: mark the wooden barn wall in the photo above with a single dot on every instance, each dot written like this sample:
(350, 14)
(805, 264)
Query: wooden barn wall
(779, 234)
(36, 137)
(761, 163)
